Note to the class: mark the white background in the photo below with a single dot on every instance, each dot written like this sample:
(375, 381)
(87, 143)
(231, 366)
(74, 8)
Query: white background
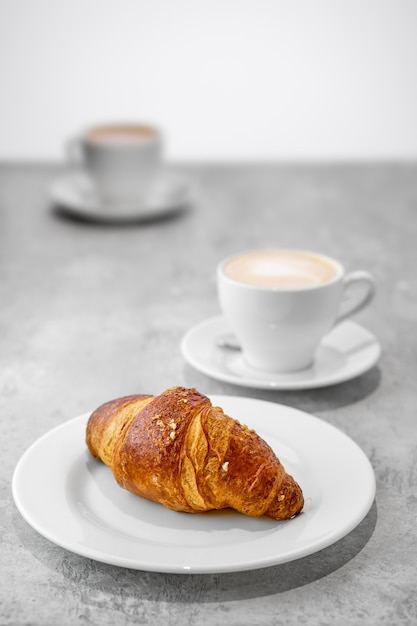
(226, 79)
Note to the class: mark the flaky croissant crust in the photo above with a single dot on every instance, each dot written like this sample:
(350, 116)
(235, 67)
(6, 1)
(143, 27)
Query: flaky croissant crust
(181, 451)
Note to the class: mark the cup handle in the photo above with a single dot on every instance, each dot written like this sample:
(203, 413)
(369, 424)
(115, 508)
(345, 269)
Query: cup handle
(358, 291)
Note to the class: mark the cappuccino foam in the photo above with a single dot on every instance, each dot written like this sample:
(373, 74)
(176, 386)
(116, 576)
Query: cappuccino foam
(121, 134)
(283, 269)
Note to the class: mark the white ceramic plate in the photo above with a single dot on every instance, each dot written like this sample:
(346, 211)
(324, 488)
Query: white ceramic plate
(346, 352)
(74, 501)
(74, 194)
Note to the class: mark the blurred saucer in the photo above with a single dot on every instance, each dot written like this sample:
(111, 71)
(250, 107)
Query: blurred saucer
(74, 194)
(346, 352)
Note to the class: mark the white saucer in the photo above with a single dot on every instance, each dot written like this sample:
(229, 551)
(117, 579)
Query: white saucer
(346, 352)
(74, 193)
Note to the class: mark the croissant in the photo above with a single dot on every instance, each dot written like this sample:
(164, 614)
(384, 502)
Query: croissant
(181, 451)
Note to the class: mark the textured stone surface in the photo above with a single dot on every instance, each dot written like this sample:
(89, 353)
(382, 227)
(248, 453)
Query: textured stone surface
(90, 312)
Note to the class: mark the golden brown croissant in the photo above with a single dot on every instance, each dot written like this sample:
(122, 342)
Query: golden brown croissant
(179, 450)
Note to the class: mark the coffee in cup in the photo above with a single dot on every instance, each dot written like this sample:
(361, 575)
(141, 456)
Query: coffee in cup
(122, 161)
(281, 303)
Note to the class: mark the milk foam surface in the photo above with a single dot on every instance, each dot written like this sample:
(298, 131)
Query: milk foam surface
(121, 134)
(281, 269)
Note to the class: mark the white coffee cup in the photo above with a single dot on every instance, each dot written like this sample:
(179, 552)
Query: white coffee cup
(281, 303)
(122, 161)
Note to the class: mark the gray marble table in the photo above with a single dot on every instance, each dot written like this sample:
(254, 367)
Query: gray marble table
(91, 312)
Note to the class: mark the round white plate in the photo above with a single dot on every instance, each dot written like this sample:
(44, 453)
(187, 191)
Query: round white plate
(74, 501)
(346, 352)
(74, 193)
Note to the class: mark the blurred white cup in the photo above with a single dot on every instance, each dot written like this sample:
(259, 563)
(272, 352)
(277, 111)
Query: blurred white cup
(121, 159)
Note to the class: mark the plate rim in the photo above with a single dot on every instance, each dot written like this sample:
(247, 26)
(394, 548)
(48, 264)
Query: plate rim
(286, 384)
(98, 555)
